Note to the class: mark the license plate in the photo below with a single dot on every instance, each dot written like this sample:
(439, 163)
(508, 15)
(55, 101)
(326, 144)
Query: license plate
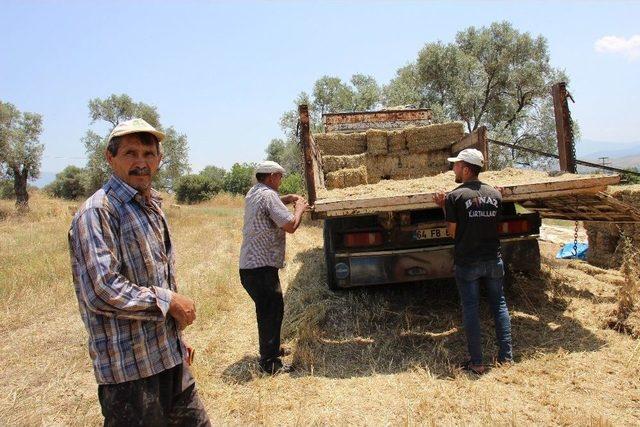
(431, 233)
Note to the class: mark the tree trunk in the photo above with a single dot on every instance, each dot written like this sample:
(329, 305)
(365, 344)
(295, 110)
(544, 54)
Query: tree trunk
(20, 187)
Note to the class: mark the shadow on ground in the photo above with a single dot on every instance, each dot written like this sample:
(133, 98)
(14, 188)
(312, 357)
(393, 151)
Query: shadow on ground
(391, 329)
(242, 371)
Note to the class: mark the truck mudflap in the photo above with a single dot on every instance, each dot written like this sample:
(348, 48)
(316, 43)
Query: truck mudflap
(385, 267)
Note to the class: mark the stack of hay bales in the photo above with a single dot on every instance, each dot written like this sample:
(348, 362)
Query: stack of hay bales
(374, 155)
(606, 239)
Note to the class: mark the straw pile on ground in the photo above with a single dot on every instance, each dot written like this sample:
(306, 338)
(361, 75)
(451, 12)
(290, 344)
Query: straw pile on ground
(380, 356)
(386, 154)
(606, 238)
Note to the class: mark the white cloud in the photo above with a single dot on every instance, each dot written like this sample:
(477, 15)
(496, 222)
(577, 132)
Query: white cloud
(630, 48)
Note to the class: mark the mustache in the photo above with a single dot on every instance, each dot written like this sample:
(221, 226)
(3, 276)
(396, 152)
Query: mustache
(140, 172)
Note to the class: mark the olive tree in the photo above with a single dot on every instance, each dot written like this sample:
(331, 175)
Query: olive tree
(20, 149)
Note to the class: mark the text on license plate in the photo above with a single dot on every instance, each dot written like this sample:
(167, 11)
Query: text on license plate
(431, 233)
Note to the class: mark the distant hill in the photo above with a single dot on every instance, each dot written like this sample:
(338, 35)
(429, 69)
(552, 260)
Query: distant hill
(45, 178)
(620, 155)
(594, 149)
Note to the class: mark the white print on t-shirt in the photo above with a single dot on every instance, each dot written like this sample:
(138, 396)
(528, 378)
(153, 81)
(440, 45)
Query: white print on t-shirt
(479, 201)
(484, 214)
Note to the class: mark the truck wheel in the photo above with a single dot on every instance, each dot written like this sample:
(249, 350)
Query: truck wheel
(511, 274)
(329, 259)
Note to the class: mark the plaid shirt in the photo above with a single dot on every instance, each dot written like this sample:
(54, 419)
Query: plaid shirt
(123, 271)
(263, 239)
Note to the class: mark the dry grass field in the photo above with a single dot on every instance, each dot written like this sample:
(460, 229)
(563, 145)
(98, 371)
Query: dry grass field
(381, 356)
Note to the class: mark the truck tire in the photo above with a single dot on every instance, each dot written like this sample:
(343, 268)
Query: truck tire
(329, 258)
(527, 263)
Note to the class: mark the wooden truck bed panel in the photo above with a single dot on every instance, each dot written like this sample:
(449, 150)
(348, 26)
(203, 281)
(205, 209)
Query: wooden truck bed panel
(549, 189)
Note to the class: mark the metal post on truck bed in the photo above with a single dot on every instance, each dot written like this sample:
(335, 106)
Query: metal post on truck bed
(476, 139)
(305, 140)
(483, 146)
(564, 130)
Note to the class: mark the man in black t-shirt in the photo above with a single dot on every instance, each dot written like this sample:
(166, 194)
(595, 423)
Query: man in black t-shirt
(472, 212)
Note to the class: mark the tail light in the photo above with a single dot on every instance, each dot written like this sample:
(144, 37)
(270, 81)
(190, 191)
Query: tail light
(517, 226)
(356, 240)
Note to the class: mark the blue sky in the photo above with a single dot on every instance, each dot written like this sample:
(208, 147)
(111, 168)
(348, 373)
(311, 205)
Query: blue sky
(223, 72)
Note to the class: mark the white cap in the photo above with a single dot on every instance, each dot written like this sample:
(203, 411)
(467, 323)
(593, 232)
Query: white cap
(469, 155)
(269, 167)
(134, 126)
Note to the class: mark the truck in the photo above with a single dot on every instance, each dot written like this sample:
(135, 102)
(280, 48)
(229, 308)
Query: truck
(400, 235)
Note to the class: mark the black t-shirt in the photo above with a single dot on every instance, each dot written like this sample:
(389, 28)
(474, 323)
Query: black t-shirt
(475, 208)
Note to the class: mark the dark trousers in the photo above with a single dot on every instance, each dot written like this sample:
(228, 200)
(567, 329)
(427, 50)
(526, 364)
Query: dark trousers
(263, 286)
(164, 399)
(468, 279)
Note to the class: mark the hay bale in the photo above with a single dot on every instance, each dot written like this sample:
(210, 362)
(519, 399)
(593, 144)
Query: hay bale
(396, 141)
(355, 176)
(380, 167)
(414, 161)
(434, 137)
(606, 239)
(420, 165)
(376, 141)
(341, 144)
(334, 180)
(349, 177)
(334, 163)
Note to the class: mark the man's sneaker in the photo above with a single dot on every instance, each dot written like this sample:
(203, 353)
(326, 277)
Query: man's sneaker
(505, 362)
(470, 367)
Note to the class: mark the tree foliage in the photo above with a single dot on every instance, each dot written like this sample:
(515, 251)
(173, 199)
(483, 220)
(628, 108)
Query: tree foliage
(286, 153)
(329, 95)
(494, 76)
(71, 183)
(116, 109)
(6, 189)
(215, 175)
(175, 159)
(20, 149)
(239, 179)
(199, 187)
(292, 184)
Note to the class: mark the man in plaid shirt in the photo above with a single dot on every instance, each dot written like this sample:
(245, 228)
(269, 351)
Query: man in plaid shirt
(124, 275)
(266, 222)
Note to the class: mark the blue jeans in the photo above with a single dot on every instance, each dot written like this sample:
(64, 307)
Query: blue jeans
(468, 278)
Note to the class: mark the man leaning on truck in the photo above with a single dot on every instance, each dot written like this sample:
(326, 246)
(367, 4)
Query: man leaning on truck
(472, 213)
(266, 222)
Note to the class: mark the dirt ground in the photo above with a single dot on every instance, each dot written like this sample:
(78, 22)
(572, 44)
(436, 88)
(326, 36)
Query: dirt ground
(376, 356)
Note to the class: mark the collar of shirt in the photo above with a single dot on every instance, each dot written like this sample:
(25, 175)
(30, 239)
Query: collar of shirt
(265, 186)
(124, 192)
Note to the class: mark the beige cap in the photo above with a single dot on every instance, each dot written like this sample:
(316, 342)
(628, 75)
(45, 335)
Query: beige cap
(269, 167)
(134, 126)
(469, 155)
